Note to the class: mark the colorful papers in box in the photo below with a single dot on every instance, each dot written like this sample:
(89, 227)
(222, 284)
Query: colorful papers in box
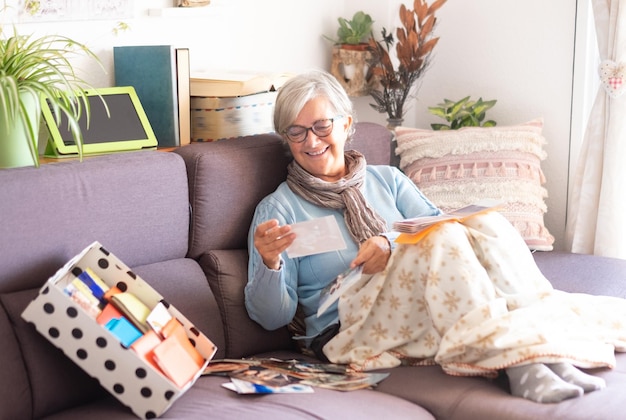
(70, 319)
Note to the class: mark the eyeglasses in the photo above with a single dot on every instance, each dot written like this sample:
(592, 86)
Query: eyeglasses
(321, 128)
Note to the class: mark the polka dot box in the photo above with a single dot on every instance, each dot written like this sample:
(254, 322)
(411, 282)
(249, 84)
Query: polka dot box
(127, 376)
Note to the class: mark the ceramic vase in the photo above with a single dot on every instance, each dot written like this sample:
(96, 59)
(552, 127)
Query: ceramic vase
(15, 150)
(392, 123)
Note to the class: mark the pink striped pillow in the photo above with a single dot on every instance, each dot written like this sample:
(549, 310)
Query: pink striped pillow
(455, 168)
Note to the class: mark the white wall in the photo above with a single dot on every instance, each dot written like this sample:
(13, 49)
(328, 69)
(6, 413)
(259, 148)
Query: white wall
(518, 52)
(270, 35)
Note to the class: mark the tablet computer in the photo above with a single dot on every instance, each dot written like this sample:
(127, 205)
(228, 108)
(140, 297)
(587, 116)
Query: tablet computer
(124, 128)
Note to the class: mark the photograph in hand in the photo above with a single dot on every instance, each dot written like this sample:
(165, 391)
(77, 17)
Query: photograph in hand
(315, 237)
(337, 287)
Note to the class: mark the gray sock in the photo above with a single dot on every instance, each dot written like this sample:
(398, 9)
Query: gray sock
(538, 383)
(569, 373)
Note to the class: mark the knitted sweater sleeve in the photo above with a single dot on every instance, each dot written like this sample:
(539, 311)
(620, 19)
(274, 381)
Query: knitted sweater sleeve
(270, 295)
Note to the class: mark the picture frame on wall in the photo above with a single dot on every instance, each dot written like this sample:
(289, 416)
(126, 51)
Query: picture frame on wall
(32, 11)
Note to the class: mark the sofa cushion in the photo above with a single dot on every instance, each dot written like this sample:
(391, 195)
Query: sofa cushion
(227, 273)
(135, 204)
(455, 168)
(15, 386)
(208, 399)
(227, 179)
(56, 383)
(495, 403)
(460, 398)
(580, 273)
(322, 404)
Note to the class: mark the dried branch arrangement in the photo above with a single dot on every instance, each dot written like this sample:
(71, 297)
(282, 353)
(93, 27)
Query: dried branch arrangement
(414, 46)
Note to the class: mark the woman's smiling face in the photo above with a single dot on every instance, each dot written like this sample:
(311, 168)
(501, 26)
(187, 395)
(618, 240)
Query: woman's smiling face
(321, 156)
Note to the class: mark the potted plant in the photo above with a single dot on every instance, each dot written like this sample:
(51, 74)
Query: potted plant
(463, 113)
(414, 46)
(32, 68)
(351, 55)
(353, 33)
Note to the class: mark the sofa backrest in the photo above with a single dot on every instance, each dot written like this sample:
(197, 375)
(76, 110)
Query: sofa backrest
(375, 142)
(227, 179)
(51, 213)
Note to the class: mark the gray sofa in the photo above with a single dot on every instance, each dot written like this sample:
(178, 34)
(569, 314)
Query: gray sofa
(180, 220)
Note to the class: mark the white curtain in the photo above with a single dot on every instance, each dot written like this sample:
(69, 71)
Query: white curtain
(597, 206)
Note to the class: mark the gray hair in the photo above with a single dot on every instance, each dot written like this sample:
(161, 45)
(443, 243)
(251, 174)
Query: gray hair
(301, 88)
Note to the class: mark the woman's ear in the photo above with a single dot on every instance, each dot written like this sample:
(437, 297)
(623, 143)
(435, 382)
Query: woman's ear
(348, 123)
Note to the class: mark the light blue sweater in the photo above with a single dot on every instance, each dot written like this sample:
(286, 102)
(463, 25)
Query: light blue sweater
(271, 296)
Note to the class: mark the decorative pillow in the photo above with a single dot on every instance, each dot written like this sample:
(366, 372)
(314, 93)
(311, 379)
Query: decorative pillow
(455, 168)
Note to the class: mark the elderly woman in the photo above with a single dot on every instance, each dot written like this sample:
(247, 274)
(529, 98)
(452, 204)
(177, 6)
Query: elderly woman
(468, 296)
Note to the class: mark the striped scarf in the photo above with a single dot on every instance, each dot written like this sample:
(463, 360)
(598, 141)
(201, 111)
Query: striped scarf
(362, 221)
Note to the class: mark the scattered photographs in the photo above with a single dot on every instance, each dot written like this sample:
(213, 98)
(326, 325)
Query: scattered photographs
(269, 376)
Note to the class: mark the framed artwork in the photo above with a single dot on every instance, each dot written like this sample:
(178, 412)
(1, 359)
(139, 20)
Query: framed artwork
(59, 10)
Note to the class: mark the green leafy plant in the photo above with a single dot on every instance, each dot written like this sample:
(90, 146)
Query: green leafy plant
(463, 113)
(41, 67)
(413, 49)
(354, 31)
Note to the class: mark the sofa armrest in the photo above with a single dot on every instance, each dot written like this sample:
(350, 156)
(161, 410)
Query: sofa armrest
(226, 271)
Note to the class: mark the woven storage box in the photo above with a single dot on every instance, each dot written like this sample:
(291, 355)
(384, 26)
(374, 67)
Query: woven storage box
(120, 370)
(217, 118)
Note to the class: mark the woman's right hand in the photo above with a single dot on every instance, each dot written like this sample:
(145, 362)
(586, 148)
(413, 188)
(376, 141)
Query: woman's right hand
(270, 240)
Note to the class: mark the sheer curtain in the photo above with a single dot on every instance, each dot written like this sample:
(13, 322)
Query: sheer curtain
(597, 206)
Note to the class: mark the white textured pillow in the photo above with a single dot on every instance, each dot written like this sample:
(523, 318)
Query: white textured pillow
(455, 168)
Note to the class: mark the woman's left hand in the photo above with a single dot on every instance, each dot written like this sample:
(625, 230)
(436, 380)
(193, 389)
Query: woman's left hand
(373, 254)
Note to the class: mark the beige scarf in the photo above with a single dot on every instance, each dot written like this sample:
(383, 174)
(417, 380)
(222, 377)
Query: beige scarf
(362, 221)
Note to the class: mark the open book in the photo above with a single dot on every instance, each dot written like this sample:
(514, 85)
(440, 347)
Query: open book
(414, 229)
(337, 287)
(228, 84)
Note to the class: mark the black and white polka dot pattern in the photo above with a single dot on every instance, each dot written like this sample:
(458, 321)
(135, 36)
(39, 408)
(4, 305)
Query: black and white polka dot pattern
(121, 371)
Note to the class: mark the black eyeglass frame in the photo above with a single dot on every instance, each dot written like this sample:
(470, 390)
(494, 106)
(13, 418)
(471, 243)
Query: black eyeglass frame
(312, 129)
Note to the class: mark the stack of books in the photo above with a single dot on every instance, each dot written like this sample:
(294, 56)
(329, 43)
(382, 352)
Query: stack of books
(228, 105)
(160, 75)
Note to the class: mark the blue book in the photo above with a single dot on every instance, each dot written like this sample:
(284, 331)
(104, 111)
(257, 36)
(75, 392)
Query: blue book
(96, 290)
(157, 76)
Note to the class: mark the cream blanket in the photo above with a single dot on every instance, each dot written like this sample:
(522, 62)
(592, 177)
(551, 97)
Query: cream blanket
(470, 298)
